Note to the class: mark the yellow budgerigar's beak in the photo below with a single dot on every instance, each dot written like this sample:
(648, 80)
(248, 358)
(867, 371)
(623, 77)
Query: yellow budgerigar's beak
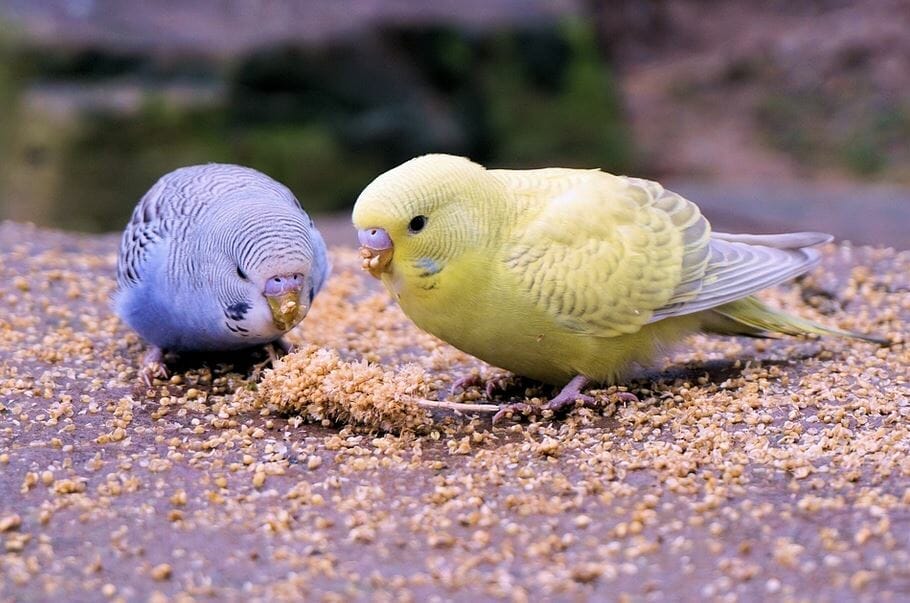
(376, 249)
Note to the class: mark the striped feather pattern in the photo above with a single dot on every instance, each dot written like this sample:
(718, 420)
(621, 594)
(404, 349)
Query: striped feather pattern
(198, 249)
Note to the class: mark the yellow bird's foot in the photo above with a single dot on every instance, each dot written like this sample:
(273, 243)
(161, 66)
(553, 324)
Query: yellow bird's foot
(560, 402)
(571, 394)
(493, 385)
(153, 367)
(567, 398)
(516, 410)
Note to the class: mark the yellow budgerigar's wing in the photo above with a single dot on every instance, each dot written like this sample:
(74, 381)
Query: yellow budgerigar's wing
(610, 254)
(606, 254)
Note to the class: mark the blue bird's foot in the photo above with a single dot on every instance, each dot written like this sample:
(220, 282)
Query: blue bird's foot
(153, 367)
(274, 351)
(282, 346)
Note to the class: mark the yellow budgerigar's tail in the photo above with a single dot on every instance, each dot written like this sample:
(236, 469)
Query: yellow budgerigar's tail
(749, 316)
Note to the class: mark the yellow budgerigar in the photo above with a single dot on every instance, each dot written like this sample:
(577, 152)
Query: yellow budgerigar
(567, 276)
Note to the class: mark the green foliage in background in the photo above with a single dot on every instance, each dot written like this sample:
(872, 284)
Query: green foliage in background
(809, 127)
(9, 89)
(324, 120)
(564, 111)
(113, 160)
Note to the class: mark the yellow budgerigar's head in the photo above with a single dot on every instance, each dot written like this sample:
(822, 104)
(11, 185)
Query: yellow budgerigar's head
(418, 217)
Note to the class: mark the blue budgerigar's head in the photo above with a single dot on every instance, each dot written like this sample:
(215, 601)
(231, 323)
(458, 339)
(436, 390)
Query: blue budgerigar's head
(268, 271)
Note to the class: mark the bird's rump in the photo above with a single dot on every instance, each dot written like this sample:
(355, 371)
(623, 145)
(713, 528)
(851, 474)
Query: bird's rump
(740, 265)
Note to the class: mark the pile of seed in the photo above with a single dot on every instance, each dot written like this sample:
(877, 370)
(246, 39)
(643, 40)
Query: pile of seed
(318, 385)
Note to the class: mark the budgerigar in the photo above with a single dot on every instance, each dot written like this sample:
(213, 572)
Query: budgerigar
(567, 276)
(216, 257)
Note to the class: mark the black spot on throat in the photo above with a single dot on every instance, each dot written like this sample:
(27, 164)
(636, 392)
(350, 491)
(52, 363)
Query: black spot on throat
(237, 311)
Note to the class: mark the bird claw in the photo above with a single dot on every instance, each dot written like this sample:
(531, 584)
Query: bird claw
(153, 367)
(557, 405)
(626, 397)
(282, 346)
(492, 385)
(564, 400)
(567, 398)
(275, 350)
(510, 410)
(468, 381)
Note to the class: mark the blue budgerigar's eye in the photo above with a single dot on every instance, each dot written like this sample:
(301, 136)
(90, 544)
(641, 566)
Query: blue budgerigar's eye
(241, 273)
(417, 224)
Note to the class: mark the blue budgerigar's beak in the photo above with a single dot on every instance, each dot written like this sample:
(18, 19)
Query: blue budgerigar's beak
(376, 249)
(283, 294)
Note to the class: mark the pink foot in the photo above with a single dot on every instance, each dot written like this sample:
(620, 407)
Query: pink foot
(282, 347)
(153, 367)
(570, 394)
(568, 397)
(468, 381)
(514, 411)
(473, 380)
(275, 350)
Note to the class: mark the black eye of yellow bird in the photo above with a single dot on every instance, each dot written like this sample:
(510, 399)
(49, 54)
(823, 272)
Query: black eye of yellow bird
(416, 224)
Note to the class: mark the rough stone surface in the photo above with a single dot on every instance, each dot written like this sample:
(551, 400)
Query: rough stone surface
(749, 470)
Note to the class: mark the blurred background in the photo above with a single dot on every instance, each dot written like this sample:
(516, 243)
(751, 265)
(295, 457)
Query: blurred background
(770, 113)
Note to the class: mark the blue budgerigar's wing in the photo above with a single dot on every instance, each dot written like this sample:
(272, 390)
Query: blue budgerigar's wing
(147, 228)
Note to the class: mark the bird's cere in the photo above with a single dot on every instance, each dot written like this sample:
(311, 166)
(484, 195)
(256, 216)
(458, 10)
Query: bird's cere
(281, 284)
(374, 238)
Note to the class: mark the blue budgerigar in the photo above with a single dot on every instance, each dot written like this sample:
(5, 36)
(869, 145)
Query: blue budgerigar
(217, 257)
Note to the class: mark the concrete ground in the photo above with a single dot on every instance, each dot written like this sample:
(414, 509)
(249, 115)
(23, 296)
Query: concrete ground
(749, 470)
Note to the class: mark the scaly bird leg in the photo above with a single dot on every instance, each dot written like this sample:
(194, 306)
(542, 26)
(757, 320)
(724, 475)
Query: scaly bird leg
(153, 366)
(570, 394)
(274, 350)
(567, 397)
